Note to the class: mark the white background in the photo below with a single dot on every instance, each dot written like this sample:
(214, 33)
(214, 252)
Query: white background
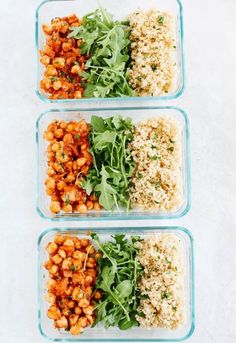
(209, 100)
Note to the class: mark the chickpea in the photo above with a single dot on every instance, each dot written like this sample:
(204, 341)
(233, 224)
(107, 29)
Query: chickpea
(66, 47)
(58, 133)
(78, 244)
(55, 206)
(59, 62)
(51, 298)
(83, 303)
(49, 51)
(75, 69)
(78, 264)
(45, 60)
(90, 249)
(50, 183)
(68, 139)
(61, 185)
(77, 278)
(78, 310)
(82, 208)
(64, 27)
(49, 136)
(84, 242)
(67, 208)
(57, 85)
(83, 322)
(50, 191)
(62, 322)
(88, 280)
(88, 310)
(69, 243)
(98, 255)
(62, 253)
(46, 83)
(73, 319)
(71, 304)
(91, 263)
(76, 329)
(93, 197)
(54, 270)
(58, 168)
(97, 295)
(48, 265)
(67, 263)
(51, 284)
(91, 272)
(66, 311)
(51, 248)
(57, 259)
(63, 125)
(88, 291)
(77, 95)
(53, 312)
(79, 255)
(59, 239)
(47, 29)
(51, 70)
(61, 157)
(97, 206)
(89, 205)
(90, 319)
(77, 294)
(50, 172)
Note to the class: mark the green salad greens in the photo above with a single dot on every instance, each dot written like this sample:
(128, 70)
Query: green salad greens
(113, 166)
(107, 43)
(119, 272)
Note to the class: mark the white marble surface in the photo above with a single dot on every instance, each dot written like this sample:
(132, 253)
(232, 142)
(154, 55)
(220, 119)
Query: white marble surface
(210, 101)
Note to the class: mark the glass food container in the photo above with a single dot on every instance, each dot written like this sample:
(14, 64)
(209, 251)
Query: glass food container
(137, 114)
(99, 333)
(120, 9)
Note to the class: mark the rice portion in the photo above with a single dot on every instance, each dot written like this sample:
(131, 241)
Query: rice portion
(156, 151)
(153, 53)
(162, 283)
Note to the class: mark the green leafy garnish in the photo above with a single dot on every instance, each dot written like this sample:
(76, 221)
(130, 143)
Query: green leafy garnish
(107, 43)
(154, 67)
(170, 148)
(112, 161)
(154, 158)
(73, 268)
(119, 273)
(160, 19)
(77, 136)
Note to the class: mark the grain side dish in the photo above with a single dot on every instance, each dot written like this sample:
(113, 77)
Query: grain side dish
(153, 46)
(113, 163)
(121, 282)
(97, 56)
(156, 151)
(161, 282)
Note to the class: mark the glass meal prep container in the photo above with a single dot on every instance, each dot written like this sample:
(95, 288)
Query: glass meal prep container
(43, 200)
(120, 9)
(99, 333)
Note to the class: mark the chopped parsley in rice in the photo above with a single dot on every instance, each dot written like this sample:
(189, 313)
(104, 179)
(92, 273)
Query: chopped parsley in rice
(153, 53)
(156, 151)
(162, 283)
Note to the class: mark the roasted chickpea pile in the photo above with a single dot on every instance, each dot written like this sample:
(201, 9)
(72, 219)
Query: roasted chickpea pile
(69, 161)
(62, 60)
(72, 269)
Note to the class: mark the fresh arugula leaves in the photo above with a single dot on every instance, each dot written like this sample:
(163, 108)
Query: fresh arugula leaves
(112, 161)
(119, 273)
(107, 43)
